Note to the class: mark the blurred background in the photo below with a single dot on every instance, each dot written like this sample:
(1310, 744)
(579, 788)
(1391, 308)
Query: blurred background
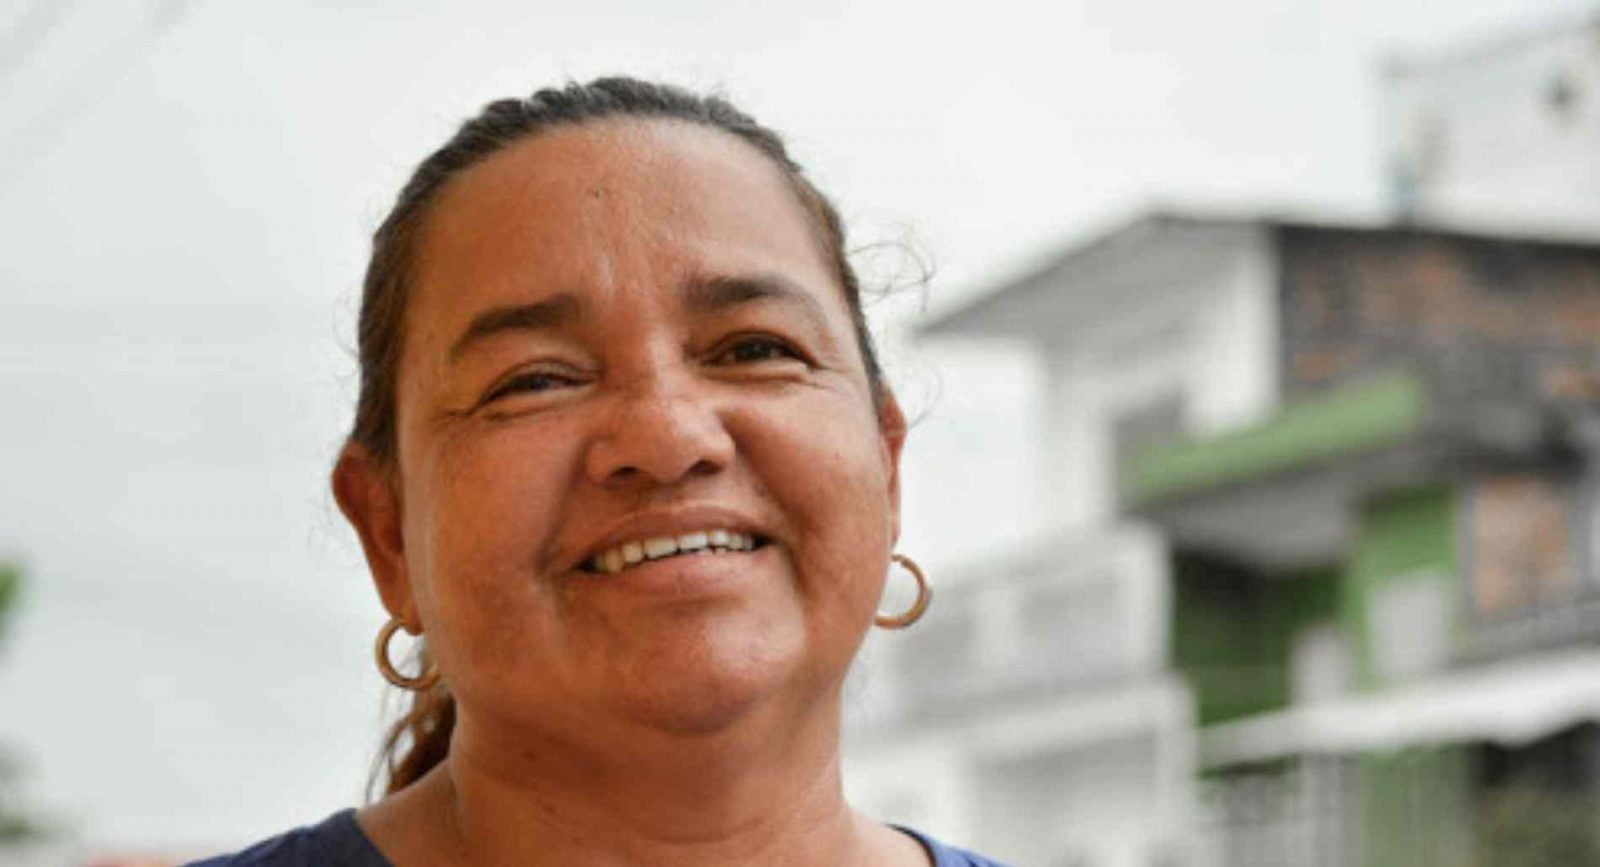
(1258, 462)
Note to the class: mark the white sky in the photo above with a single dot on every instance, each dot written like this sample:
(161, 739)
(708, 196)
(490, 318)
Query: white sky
(184, 213)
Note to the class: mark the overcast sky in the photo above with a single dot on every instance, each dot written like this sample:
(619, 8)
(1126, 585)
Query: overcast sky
(185, 193)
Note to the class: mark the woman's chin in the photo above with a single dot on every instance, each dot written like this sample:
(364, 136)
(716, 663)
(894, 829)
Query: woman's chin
(710, 680)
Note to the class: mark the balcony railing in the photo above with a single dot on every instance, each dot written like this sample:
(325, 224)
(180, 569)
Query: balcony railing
(1080, 611)
(1569, 619)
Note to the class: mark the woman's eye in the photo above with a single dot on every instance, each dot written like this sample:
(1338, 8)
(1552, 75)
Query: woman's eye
(755, 349)
(534, 381)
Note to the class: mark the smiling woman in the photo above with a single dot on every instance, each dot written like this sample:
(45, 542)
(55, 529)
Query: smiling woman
(625, 460)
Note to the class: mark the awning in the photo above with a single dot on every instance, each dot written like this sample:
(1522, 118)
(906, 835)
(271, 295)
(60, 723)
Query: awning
(1508, 703)
(1358, 418)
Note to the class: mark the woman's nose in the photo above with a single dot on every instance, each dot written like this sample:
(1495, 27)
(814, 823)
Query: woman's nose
(660, 434)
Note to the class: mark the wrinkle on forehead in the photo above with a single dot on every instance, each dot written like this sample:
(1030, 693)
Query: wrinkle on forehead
(631, 183)
(605, 274)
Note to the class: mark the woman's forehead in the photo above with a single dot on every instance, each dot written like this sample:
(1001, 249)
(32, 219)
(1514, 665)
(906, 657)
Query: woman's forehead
(614, 200)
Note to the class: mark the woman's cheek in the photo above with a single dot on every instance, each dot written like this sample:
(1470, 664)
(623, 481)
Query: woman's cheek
(500, 502)
(831, 474)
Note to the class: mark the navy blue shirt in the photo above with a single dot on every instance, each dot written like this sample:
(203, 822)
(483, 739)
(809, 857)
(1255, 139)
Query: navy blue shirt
(339, 842)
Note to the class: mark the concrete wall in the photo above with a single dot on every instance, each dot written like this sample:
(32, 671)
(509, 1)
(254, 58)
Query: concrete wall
(1206, 337)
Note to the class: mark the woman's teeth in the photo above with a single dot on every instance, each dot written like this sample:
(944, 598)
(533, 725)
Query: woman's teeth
(616, 559)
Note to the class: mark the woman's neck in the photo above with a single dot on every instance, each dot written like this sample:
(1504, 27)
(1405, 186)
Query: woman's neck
(756, 792)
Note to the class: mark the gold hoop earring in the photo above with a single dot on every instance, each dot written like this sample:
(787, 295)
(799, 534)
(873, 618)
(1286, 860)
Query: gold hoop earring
(918, 608)
(421, 682)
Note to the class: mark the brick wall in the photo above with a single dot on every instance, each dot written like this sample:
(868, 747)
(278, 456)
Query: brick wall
(1490, 315)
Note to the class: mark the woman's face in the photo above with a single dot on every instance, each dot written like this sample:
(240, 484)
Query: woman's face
(625, 340)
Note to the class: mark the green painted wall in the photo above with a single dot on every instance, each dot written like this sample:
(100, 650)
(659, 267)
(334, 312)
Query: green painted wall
(1233, 632)
(1415, 804)
(1402, 537)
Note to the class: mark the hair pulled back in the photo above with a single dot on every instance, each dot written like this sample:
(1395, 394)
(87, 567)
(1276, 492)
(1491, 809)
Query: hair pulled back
(420, 739)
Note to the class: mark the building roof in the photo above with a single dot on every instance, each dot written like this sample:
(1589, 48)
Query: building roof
(1096, 275)
(1010, 305)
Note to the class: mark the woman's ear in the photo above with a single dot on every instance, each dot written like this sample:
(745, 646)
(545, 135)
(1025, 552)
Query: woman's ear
(365, 491)
(892, 430)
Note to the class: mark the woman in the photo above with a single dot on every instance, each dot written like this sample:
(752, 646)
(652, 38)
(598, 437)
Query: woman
(625, 460)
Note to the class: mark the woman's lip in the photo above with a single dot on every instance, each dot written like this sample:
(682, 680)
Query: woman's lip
(684, 576)
(676, 521)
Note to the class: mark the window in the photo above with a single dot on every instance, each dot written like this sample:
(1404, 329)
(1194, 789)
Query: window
(1152, 423)
(1519, 543)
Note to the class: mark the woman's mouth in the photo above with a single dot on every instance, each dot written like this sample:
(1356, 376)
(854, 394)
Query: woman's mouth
(699, 542)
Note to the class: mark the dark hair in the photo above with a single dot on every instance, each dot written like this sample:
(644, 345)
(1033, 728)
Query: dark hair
(420, 739)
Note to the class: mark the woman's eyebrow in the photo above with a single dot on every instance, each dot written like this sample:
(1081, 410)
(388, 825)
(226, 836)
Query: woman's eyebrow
(709, 293)
(551, 313)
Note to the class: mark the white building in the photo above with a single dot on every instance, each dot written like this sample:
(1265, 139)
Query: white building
(1034, 714)
(1038, 714)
